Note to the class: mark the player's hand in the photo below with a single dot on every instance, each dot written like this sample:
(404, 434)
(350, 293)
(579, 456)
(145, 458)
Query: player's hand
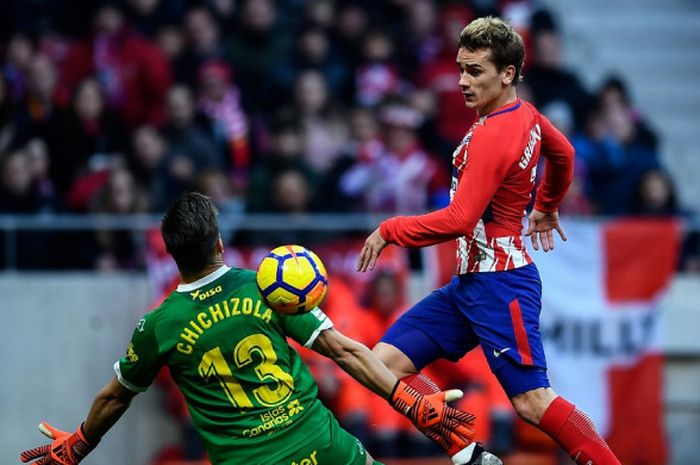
(374, 245)
(540, 227)
(450, 428)
(66, 449)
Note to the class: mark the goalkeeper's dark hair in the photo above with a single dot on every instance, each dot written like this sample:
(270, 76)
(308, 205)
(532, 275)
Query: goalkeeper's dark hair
(190, 231)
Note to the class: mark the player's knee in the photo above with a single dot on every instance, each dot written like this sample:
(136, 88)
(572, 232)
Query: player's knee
(397, 362)
(531, 405)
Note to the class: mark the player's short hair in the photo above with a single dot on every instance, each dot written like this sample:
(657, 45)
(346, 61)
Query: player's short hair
(506, 45)
(190, 231)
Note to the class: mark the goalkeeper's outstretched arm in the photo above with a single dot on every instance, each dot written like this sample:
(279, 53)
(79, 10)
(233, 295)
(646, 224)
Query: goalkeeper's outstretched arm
(109, 405)
(448, 427)
(357, 360)
(69, 449)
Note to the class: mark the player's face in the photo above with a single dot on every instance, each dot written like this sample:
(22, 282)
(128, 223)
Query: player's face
(484, 87)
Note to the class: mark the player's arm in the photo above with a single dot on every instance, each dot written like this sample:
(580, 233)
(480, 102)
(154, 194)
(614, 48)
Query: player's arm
(69, 449)
(357, 360)
(487, 166)
(558, 175)
(134, 373)
(109, 405)
(558, 169)
(448, 427)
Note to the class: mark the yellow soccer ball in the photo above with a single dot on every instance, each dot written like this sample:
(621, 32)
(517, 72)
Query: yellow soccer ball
(292, 279)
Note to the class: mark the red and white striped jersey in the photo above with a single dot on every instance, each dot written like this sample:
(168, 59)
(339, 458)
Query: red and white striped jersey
(494, 170)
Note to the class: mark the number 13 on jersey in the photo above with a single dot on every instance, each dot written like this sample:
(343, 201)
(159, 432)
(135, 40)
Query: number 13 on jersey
(214, 364)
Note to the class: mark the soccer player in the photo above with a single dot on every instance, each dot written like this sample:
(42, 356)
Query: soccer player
(495, 298)
(251, 397)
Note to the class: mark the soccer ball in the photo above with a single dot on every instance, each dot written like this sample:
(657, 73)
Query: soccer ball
(292, 279)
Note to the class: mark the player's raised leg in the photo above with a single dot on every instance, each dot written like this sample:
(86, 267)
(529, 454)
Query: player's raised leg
(404, 369)
(399, 364)
(571, 428)
(428, 331)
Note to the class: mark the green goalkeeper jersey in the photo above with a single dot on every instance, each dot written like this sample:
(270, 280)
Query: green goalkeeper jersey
(227, 351)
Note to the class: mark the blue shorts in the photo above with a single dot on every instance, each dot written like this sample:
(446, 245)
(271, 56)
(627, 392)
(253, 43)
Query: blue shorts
(498, 310)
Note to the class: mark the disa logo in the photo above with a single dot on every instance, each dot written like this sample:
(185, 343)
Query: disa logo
(206, 294)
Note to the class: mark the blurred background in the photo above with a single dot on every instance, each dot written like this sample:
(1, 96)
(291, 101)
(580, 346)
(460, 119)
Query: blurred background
(309, 121)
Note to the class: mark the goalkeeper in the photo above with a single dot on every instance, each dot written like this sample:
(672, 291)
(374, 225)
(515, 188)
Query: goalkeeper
(245, 387)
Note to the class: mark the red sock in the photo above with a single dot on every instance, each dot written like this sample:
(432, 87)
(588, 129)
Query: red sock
(575, 433)
(422, 384)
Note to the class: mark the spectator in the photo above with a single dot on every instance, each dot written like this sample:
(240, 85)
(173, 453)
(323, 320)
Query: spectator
(422, 42)
(219, 100)
(39, 165)
(215, 184)
(313, 52)
(614, 94)
(655, 195)
(192, 149)
(150, 165)
(19, 57)
(116, 249)
(363, 147)
(227, 199)
(255, 48)
(81, 134)
(171, 43)
(111, 50)
(320, 14)
(40, 100)
(324, 132)
(203, 44)
(350, 29)
(286, 153)
(404, 178)
(19, 192)
(615, 159)
(291, 193)
(377, 77)
(547, 78)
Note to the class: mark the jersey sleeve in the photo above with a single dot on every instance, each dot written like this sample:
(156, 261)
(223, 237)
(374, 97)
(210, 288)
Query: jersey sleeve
(306, 327)
(487, 165)
(139, 367)
(558, 169)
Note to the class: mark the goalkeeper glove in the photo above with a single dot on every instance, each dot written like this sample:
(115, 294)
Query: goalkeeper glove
(450, 428)
(66, 449)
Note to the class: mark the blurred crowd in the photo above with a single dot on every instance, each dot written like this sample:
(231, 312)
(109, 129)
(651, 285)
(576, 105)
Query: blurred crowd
(287, 106)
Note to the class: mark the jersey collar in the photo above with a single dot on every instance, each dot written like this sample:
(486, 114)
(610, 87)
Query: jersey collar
(203, 281)
(507, 108)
